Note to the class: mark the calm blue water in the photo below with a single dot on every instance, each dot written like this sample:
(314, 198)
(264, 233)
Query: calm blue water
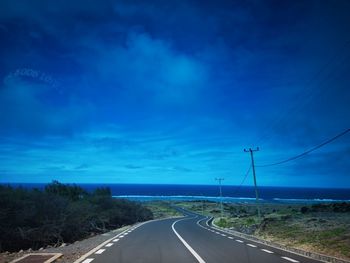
(211, 192)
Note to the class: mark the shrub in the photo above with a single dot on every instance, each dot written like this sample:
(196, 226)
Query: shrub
(304, 209)
(60, 214)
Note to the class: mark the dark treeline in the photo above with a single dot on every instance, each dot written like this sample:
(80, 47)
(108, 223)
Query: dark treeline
(32, 218)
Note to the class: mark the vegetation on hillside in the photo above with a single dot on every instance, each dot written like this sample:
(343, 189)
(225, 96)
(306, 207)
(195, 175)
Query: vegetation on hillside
(162, 209)
(33, 218)
(320, 227)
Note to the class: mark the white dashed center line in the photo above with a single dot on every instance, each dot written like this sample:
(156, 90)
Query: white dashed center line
(100, 251)
(251, 245)
(267, 251)
(88, 260)
(223, 235)
(240, 241)
(109, 245)
(230, 237)
(290, 259)
(116, 240)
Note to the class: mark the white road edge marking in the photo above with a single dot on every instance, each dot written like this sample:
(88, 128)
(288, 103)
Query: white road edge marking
(109, 244)
(251, 245)
(88, 260)
(208, 228)
(100, 251)
(89, 253)
(194, 253)
(290, 259)
(240, 241)
(267, 251)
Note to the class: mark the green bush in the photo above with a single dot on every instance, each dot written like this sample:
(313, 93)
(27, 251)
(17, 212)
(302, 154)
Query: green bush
(304, 209)
(222, 222)
(31, 218)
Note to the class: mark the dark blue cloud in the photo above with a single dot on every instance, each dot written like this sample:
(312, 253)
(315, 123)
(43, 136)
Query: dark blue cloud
(151, 91)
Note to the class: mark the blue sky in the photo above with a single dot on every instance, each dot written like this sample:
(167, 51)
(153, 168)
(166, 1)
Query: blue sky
(173, 91)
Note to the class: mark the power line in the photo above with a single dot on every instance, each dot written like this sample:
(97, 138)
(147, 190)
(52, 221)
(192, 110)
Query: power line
(306, 94)
(243, 180)
(308, 151)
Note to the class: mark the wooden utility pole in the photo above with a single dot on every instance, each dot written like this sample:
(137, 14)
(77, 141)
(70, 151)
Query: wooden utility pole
(256, 188)
(221, 207)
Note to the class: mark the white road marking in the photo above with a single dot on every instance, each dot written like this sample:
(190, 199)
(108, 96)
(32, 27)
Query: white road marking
(267, 251)
(194, 253)
(126, 233)
(206, 222)
(199, 221)
(88, 260)
(251, 245)
(240, 241)
(100, 251)
(109, 245)
(290, 259)
(92, 251)
(116, 240)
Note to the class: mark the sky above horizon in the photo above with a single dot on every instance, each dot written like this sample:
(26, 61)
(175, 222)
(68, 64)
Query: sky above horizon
(173, 91)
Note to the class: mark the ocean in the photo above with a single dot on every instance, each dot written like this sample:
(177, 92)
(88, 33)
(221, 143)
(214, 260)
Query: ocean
(148, 192)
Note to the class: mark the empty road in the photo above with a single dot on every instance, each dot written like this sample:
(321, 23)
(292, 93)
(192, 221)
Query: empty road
(187, 239)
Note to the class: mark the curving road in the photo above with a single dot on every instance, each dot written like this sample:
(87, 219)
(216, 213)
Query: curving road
(187, 239)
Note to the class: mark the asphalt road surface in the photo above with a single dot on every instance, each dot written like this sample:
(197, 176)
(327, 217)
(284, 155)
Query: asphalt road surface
(187, 239)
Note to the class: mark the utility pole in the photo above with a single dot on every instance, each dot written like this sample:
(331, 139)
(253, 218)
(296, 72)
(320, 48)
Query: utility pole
(253, 167)
(221, 207)
(202, 201)
(202, 207)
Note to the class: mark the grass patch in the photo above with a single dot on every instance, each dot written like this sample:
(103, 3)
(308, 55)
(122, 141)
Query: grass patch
(162, 209)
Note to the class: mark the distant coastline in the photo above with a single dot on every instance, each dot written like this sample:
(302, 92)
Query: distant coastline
(244, 194)
(225, 199)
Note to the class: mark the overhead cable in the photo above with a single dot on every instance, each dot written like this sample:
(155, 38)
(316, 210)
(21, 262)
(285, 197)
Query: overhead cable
(308, 151)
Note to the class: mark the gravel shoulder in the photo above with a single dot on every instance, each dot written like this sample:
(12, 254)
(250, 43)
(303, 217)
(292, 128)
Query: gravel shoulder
(71, 252)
